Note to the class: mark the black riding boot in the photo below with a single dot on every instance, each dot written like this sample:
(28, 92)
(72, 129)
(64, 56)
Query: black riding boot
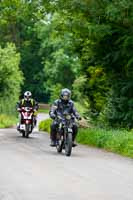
(53, 133)
(75, 131)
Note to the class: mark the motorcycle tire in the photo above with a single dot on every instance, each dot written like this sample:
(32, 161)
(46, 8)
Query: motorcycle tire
(27, 127)
(23, 134)
(60, 146)
(68, 144)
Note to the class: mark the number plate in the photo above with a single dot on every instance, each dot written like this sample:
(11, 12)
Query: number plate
(70, 130)
(22, 127)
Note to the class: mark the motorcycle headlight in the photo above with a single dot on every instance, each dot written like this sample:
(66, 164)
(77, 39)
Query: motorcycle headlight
(68, 117)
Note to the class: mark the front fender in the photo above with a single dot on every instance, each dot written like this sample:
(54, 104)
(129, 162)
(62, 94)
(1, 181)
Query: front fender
(69, 130)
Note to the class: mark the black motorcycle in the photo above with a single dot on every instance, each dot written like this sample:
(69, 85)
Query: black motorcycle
(64, 133)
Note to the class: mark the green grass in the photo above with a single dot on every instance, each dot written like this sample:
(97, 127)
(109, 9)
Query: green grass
(43, 111)
(114, 140)
(117, 141)
(45, 125)
(7, 121)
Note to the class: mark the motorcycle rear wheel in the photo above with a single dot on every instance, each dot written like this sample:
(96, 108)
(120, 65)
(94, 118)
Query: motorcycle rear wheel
(27, 131)
(23, 134)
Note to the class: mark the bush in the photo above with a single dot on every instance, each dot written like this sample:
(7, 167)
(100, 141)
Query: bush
(7, 121)
(118, 141)
(45, 125)
(81, 108)
(11, 78)
(55, 92)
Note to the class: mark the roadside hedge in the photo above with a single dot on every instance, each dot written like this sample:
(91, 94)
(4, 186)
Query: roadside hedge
(45, 125)
(7, 121)
(115, 140)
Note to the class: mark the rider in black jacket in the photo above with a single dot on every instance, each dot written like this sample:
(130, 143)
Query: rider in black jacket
(58, 107)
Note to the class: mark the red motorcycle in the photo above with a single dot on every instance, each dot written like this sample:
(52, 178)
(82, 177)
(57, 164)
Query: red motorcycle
(27, 121)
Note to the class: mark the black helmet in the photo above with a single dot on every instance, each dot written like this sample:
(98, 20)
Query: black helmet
(65, 94)
(27, 95)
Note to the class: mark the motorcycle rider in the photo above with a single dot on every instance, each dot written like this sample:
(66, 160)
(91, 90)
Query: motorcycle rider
(58, 107)
(28, 101)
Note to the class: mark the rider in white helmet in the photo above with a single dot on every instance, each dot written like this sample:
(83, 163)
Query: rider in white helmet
(28, 101)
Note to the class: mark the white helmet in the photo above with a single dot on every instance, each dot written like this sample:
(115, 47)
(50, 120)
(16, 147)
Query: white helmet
(27, 95)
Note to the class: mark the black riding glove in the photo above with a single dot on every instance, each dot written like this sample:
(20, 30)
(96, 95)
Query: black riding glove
(52, 115)
(78, 118)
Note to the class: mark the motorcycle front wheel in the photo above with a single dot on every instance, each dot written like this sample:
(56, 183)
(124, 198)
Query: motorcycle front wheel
(68, 144)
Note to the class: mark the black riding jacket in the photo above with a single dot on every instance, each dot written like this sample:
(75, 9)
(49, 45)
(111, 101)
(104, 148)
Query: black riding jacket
(59, 106)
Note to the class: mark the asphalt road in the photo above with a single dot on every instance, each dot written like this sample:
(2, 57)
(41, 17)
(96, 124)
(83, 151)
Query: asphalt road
(31, 170)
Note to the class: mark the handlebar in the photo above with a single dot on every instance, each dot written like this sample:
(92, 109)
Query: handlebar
(26, 109)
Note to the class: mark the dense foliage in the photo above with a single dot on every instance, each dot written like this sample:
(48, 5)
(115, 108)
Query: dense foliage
(85, 45)
(10, 78)
(103, 32)
(17, 21)
(45, 125)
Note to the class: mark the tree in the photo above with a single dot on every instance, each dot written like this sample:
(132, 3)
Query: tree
(61, 63)
(17, 21)
(103, 31)
(10, 78)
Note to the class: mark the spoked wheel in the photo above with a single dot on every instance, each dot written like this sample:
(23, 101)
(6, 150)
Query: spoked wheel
(68, 144)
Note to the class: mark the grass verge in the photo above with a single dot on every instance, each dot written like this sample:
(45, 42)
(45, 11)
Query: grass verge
(117, 141)
(43, 111)
(7, 121)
